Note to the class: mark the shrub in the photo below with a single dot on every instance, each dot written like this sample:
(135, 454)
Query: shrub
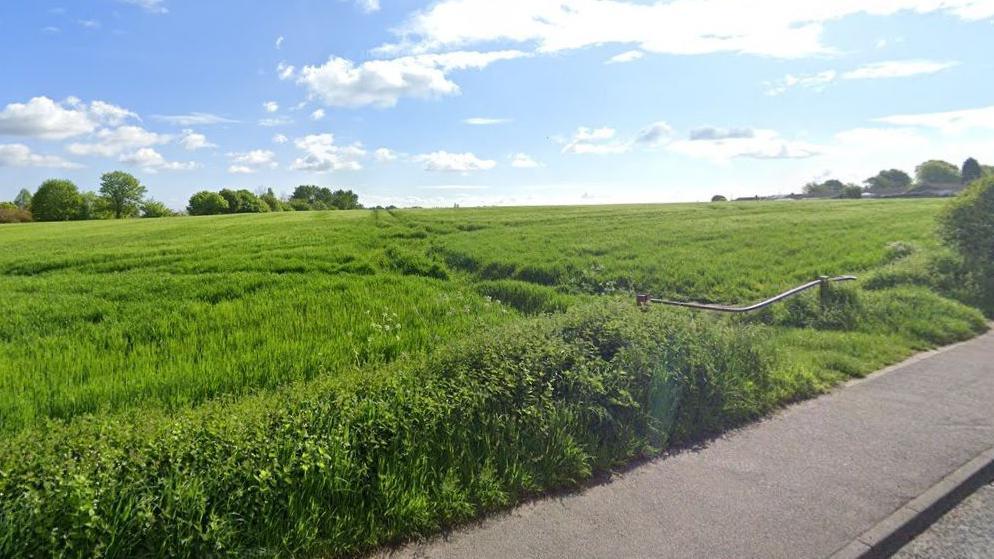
(154, 208)
(718, 198)
(967, 225)
(206, 202)
(13, 214)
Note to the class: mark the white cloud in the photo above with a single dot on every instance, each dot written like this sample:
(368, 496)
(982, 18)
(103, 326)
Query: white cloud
(443, 161)
(872, 71)
(151, 6)
(44, 118)
(777, 28)
(279, 42)
(112, 141)
(654, 135)
(280, 139)
(285, 71)
(948, 121)
(271, 106)
(898, 69)
(152, 161)
(381, 83)
(484, 121)
(627, 56)
(20, 155)
(193, 141)
(368, 6)
(385, 155)
(89, 23)
(524, 161)
(51, 29)
(715, 133)
(318, 114)
(194, 119)
(275, 121)
(321, 154)
(247, 162)
(759, 144)
(596, 141)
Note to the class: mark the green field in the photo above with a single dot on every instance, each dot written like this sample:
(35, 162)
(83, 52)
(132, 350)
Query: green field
(323, 382)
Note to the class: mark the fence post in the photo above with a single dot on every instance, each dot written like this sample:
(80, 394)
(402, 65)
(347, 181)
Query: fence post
(823, 291)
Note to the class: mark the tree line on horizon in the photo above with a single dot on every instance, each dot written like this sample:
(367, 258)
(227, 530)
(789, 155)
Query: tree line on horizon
(931, 174)
(121, 195)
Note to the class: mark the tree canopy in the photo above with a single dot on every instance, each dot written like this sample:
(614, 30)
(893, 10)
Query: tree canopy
(971, 171)
(206, 202)
(23, 199)
(935, 171)
(831, 188)
(56, 200)
(311, 197)
(122, 192)
(891, 181)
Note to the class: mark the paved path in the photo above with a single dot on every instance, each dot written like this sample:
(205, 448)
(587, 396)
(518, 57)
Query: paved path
(803, 483)
(966, 532)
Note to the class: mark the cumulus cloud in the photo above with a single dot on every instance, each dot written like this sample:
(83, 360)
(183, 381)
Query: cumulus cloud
(279, 42)
(46, 119)
(271, 106)
(318, 114)
(152, 161)
(381, 83)
(193, 141)
(656, 134)
(873, 71)
(385, 155)
(20, 155)
(760, 144)
(321, 154)
(251, 161)
(280, 139)
(368, 6)
(112, 141)
(787, 28)
(627, 56)
(443, 161)
(285, 71)
(524, 161)
(150, 6)
(194, 119)
(596, 141)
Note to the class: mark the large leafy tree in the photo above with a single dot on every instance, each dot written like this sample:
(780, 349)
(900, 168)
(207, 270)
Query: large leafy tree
(206, 202)
(23, 199)
(56, 200)
(123, 193)
(971, 171)
(243, 202)
(828, 189)
(892, 181)
(935, 171)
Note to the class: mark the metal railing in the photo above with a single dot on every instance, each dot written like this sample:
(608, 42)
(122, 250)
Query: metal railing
(823, 282)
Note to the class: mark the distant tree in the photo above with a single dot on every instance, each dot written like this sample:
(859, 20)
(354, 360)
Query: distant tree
(971, 171)
(718, 198)
(56, 200)
(852, 191)
(312, 194)
(206, 202)
(23, 199)
(344, 200)
(155, 208)
(243, 202)
(123, 193)
(274, 203)
(935, 171)
(299, 205)
(893, 181)
(831, 188)
(94, 207)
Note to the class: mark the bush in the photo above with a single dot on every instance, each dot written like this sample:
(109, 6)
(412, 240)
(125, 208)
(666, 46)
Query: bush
(718, 198)
(967, 225)
(154, 208)
(9, 213)
(341, 464)
(206, 202)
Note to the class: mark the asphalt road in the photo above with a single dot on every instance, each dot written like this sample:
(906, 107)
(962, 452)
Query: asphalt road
(803, 483)
(966, 532)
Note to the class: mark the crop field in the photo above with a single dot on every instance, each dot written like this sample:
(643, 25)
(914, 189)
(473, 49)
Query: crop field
(324, 382)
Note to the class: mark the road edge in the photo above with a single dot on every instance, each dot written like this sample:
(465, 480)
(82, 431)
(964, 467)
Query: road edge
(890, 534)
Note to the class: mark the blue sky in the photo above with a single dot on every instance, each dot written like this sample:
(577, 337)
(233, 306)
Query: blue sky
(484, 102)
